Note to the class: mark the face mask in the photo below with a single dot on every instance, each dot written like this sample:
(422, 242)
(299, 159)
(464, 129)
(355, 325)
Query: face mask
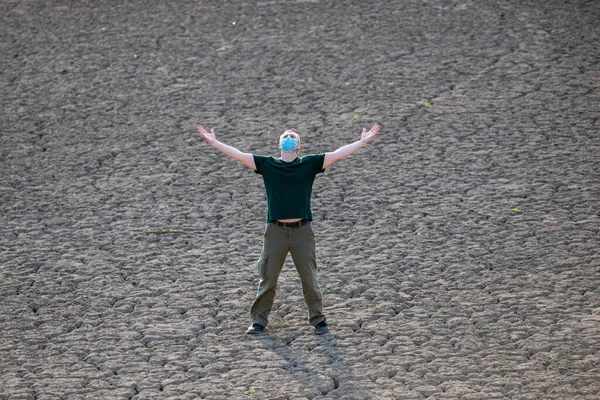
(288, 144)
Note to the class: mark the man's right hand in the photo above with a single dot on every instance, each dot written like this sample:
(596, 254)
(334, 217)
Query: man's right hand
(245, 158)
(209, 136)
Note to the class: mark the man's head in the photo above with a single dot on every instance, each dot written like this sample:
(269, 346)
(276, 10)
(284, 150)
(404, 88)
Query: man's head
(286, 141)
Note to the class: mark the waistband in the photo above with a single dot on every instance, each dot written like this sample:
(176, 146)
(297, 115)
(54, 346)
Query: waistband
(296, 224)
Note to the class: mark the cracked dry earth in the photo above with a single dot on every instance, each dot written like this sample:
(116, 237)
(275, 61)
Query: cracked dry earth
(458, 251)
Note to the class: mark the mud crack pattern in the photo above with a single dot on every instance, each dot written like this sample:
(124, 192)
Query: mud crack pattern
(458, 251)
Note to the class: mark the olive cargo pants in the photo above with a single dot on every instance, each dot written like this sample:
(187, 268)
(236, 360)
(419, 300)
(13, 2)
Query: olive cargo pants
(278, 241)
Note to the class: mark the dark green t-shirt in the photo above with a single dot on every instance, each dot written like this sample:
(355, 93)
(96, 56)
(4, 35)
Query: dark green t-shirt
(289, 185)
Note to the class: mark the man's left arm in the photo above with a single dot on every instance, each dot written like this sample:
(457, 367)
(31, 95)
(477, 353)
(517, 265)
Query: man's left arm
(351, 148)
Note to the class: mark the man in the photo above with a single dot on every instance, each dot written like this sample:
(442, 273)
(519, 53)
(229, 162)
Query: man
(288, 183)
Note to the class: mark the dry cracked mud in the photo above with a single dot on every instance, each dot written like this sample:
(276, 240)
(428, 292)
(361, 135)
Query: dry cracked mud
(458, 251)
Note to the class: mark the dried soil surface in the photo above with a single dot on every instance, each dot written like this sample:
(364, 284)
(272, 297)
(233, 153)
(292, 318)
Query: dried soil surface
(458, 251)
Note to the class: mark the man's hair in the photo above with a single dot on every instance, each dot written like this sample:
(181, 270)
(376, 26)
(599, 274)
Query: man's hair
(290, 131)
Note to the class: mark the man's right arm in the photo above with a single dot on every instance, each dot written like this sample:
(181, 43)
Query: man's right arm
(245, 158)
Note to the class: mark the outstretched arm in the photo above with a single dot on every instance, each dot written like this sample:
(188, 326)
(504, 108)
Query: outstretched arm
(245, 158)
(351, 148)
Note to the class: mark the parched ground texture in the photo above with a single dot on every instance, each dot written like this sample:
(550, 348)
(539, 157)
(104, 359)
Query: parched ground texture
(458, 251)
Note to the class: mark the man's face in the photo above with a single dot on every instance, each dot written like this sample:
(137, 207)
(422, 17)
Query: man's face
(291, 134)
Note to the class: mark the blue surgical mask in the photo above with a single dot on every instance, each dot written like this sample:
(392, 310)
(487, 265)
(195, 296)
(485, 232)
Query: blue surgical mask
(288, 144)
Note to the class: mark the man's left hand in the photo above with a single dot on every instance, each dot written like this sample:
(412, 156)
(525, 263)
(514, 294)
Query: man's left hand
(368, 135)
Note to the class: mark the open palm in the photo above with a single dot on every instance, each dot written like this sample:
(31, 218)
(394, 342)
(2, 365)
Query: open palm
(368, 135)
(209, 136)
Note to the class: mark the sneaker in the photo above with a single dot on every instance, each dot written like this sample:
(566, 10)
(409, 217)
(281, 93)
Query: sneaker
(255, 329)
(321, 328)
